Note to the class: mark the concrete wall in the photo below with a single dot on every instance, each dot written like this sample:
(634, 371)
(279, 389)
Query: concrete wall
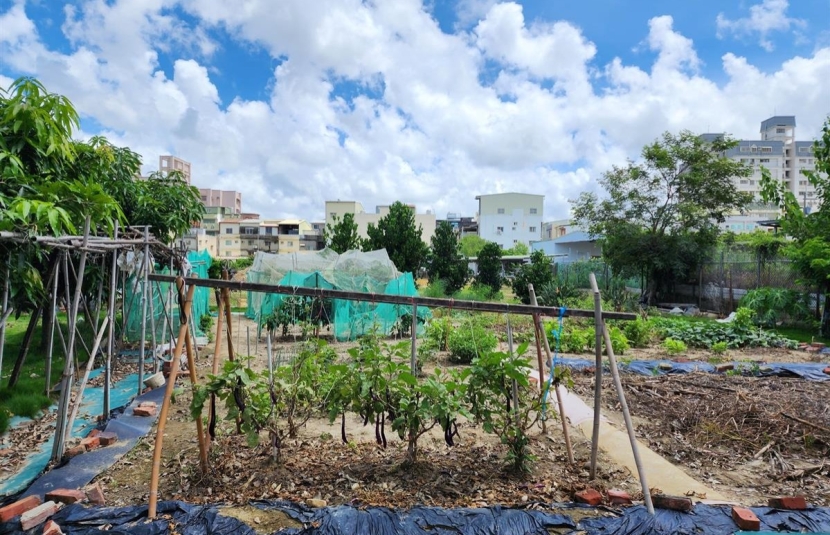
(509, 218)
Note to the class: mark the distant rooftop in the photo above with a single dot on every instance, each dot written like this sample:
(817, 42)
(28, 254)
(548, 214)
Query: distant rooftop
(778, 120)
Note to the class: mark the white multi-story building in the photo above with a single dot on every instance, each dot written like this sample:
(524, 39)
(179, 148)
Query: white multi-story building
(510, 218)
(778, 151)
(337, 209)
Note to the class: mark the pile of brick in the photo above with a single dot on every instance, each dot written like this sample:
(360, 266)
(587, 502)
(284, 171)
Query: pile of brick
(96, 439)
(31, 511)
(145, 408)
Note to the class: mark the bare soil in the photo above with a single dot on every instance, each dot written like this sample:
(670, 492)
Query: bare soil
(744, 436)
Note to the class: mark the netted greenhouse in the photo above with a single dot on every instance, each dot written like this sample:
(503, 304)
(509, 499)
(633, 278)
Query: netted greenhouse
(162, 305)
(355, 271)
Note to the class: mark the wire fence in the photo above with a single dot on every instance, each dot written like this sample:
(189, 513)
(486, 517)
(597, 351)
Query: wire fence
(718, 287)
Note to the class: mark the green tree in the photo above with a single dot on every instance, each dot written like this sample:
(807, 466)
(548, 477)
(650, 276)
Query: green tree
(538, 273)
(809, 249)
(471, 245)
(659, 219)
(445, 261)
(518, 249)
(396, 232)
(489, 267)
(342, 236)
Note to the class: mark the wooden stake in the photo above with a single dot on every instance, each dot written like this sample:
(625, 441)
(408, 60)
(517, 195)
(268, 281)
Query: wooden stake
(565, 431)
(111, 334)
(144, 298)
(194, 381)
(538, 331)
(50, 343)
(598, 325)
(168, 394)
(413, 359)
(89, 363)
(5, 310)
(215, 369)
(66, 381)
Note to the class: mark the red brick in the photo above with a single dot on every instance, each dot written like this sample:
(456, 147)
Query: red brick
(108, 438)
(813, 349)
(18, 508)
(74, 452)
(721, 368)
(144, 411)
(95, 494)
(677, 503)
(745, 519)
(66, 496)
(38, 515)
(619, 497)
(52, 529)
(589, 496)
(818, 345)
(682, 360)
(148, 404)
(827, 370)
(94, 433)
(793, 503)
(90, 443)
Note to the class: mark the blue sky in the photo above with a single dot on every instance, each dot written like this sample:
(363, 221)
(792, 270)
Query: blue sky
(426, 102)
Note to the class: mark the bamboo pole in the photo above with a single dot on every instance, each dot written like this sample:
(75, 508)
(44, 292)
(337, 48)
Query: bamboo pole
(194, 381)
(598, 328)
(144, 297)
(215, 369)
(111, 334)
(89, 363)
(168, 394)
(50, 343)
(66, 381)
(432, 302)
(561, 405)
(538, 332)
(612, 360)
(514, 383)
(226, 297)
(5, 315)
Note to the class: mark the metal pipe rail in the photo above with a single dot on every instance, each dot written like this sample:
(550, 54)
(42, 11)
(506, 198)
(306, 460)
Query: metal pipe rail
(433, 302)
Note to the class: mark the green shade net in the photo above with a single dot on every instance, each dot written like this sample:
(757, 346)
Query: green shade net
(163, 303)
(355, 271)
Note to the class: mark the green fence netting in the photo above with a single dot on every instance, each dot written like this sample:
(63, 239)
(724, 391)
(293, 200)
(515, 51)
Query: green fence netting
(162, 305)
(368, 272)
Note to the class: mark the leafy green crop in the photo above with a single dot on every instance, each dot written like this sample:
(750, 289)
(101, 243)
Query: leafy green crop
(738, 333)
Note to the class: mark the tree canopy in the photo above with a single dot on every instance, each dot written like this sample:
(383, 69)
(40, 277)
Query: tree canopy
(538, 272)
(342, 236)
(518, 249)
(396, 232)
(809, 249)
(445, 261)
(471, 245)
(489, 266)
(659, 218)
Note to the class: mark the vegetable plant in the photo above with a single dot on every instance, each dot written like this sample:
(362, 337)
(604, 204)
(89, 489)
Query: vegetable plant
(674, 347)
(470, 340)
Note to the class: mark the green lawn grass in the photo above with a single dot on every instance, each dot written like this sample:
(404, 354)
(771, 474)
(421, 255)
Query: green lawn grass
(28, 397)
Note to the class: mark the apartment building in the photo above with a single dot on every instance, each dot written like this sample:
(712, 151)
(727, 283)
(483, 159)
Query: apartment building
(215, 198)
(510, 218)
(778, 151)
(335, 210)
(169, 163)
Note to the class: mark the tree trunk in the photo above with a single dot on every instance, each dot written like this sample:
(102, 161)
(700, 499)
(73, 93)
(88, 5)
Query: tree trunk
(24, 347)
(46, 323)
(825, 316)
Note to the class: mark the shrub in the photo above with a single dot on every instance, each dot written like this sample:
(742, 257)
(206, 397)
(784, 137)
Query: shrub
(478, 292)
(557, 293)
(674, 347)
(719, 348)
(538, 272)
(436, 289)
(206, 325)
(777, 305)
(619, 342)
(574, 341)
(469, 341)
(639, 332)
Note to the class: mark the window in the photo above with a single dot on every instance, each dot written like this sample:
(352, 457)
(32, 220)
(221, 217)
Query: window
(227, 242)
(766, 149)
(250, 242)
(333, 214)
(289, 243)
(515, 242)
(805, 149)
(204, 198)
(500, 210)
(780, 130)
(499, 230)
(764, 160)
(746, 160)
(744, 149)
(269, 230)
(229, 230)
(533, 210)
(532, 229)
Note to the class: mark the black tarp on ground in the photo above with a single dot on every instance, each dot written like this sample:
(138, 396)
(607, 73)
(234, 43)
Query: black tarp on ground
(184, 519)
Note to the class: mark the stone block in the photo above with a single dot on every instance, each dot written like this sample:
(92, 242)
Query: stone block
(107, 438)
(677, 503)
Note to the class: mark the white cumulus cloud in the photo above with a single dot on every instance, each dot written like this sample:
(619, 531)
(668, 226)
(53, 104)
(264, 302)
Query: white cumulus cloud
(765, 18)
